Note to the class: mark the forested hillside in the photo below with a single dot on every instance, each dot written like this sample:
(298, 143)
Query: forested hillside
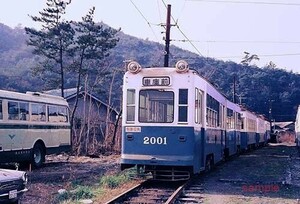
(259, 89)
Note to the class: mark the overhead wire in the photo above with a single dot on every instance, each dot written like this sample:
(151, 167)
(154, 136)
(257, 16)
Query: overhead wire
(184, 35)
(249, 2)
(264, 55)
(149, 24)
(159, 13)
(180, 13)
(240, 41)
(220, 41)
(235, 41)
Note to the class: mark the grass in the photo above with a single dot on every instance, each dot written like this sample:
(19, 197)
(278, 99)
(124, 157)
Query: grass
(114, 181)
(79, 193)
(106, 183)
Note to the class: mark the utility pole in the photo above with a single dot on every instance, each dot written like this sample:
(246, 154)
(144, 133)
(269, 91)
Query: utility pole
(167, 39)
(234, 85)
(270, 113)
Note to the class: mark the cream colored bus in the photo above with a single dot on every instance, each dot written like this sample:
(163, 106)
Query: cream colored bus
(32, 125)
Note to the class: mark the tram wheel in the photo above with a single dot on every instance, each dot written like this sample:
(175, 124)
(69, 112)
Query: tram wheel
(209, 163)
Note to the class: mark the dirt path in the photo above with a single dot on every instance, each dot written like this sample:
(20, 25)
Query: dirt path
(267, 175)
(62, 171)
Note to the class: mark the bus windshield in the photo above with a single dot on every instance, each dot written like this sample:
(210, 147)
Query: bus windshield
(156, 106)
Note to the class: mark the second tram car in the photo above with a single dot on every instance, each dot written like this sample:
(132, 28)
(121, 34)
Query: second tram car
(176, 123)
(297, 127)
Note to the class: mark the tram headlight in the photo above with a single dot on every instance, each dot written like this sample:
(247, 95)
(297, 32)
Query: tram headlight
(182, 66)
(134, 67)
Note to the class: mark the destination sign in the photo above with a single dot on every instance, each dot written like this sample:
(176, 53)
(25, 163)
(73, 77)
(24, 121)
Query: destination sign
(156, 81)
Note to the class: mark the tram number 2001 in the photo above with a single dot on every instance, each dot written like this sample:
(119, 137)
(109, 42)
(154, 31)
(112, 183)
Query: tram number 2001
(155, 140)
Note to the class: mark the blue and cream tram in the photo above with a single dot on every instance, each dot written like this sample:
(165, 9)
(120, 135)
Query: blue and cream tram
(175, 122)
(297, 127)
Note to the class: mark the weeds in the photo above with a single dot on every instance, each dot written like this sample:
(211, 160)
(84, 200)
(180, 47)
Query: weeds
(114, 181)
(79, 192)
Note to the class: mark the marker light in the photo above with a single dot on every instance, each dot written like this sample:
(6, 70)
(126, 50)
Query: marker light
(134, 67)
(182, 66)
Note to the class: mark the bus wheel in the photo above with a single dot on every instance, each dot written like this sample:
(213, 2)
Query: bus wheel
(38, 155)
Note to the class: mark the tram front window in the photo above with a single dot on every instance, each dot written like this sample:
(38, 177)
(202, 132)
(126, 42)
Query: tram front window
(156, 106)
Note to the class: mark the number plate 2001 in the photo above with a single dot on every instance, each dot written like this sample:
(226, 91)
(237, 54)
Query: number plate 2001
(155, 140)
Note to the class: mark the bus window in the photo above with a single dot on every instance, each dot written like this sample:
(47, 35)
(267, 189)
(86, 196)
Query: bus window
(24, 111)
(13, 111)
(18, 111)
(38, 112)
(52, 114)
(57, 114)
(62, 114)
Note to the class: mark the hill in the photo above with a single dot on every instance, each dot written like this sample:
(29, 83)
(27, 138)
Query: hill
(259, 89)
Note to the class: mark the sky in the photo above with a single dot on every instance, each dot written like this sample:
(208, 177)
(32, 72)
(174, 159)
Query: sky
(221, 29)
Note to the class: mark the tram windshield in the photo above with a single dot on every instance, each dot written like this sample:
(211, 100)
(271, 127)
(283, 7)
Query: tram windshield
(156, 106)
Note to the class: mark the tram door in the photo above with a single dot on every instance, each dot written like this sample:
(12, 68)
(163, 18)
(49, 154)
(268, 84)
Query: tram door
(222, 124)
(199, 124)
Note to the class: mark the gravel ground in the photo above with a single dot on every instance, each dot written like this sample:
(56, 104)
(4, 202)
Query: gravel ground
(266, 175)
(61, 171)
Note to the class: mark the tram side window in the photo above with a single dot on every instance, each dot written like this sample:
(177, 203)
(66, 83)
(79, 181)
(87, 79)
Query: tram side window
(243, 123)
(183, 105)
(252, 125)
(230, 119)
(222, 116)
(38, 112)
(57, 114)
(1, 112)
(212, 112)
(239, 121)
(198, 106)
(130, 115)
(18, 111)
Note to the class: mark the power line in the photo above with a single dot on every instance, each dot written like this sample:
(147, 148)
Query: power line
(240, 41)
(149, 24)
(181, 11)
(184, 35)
(249, 2)
(159, 13)
(265, 55)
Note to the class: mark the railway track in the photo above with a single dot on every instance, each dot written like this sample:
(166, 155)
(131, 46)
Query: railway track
(150, 192)
(163, 192)
(191, 193)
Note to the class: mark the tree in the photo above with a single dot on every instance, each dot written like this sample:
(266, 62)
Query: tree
(91, 45)
(248, 58)
(54, 41)
(93, 42)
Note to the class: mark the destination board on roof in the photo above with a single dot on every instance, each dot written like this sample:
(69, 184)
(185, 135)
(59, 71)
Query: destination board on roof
(156, 81)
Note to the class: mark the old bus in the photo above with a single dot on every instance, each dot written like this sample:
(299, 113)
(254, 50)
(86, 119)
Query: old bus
(32, 125)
